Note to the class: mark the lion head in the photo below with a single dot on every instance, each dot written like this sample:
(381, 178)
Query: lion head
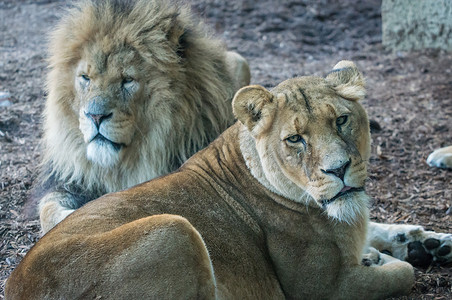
(308, 139)
(134, 89)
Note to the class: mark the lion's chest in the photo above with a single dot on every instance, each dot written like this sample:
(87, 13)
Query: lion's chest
(305, 250)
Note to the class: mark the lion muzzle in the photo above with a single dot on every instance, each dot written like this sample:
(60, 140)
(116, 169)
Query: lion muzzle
(345, 190)
(98, 118)
(338, 172)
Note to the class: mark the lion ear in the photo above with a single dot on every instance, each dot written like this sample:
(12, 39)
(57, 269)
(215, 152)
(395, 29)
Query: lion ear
(252, 106)
(177, 34)
(347, 80)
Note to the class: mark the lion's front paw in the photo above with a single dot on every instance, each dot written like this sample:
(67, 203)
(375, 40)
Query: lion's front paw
(436, 247)
(372, 257)
(441, 158)
(411, 243)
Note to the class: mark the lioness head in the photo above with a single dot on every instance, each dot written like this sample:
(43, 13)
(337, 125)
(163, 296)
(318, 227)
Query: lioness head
(134, 89)
(308, 139)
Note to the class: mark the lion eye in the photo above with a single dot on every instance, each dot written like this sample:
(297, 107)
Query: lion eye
(295, 139)
(127, 80)
(341, 120)
(85, 77)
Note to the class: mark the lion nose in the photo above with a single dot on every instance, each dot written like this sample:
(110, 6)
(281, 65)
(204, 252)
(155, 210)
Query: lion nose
(338, 172)
(98, 118)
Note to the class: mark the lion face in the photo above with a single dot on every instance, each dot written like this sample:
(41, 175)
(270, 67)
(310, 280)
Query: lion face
(108, 87)
(312, 140)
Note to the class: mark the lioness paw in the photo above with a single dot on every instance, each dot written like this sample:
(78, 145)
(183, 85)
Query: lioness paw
(441, 158)
(436, 247)
(371, 258)
(411, 243)
(420, 247)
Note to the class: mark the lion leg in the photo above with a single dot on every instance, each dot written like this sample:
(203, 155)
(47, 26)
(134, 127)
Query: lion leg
(389, 277)
(54, 208)
(157, 257)
(238, 69)
(411, 243)
(441, 158)
(168, 260)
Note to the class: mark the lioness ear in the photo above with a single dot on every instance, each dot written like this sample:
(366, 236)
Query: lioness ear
(252, 105)
(347, 80)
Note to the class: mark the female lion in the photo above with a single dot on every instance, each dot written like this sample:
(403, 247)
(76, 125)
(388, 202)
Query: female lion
(274, 208)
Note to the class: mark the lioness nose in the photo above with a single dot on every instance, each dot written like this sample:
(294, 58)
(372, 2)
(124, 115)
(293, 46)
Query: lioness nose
(98, 118)
(338, 172)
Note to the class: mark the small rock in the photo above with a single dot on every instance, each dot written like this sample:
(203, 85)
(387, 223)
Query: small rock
(5, 95)
(5, 99)
(5, 103)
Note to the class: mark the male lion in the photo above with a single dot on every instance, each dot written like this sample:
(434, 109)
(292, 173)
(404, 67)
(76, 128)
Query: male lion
(274, 208)
(134, 89)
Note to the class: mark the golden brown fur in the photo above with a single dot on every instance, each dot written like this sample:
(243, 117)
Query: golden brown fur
(258, 214)
(134, 89)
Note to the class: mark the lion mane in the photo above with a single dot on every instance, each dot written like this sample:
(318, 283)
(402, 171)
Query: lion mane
(160, 73)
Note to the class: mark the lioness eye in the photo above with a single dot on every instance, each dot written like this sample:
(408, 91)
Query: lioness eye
(295, 138)
(341, 120)
(85, 77)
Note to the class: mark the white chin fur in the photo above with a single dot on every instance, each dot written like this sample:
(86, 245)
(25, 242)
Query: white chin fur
(103, 154)
(349, 209)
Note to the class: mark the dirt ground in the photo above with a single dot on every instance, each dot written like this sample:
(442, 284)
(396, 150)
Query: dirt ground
(409, 94)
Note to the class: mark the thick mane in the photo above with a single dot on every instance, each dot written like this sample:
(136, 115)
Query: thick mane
(189, 103)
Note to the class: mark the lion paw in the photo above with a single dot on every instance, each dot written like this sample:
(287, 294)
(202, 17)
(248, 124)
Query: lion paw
(371, 258)
(441, 158)
(411, 243)
(421, 248)
(434, 247)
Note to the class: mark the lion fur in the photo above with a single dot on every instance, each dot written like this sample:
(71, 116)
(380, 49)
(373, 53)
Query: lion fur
(187, 105)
